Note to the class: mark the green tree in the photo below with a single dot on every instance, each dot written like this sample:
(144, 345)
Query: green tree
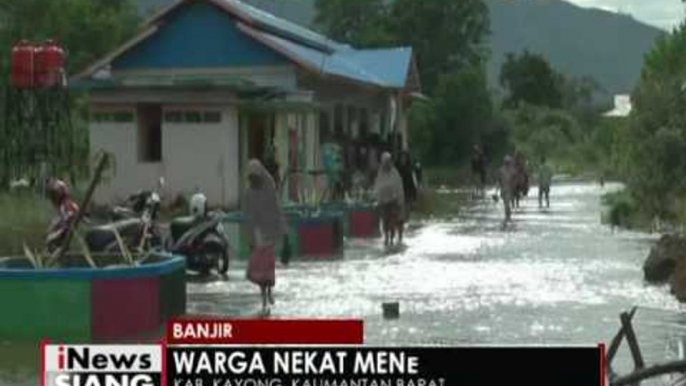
(656, 133)
(422, 124)
(444, 129)
(464, 110)
(529, 78)
(86, 28)
(578, 94)
(446, 35)
(361, 23)
(541, 131)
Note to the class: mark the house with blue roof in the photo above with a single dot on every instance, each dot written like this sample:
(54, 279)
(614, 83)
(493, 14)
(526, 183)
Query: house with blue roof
(208, 84)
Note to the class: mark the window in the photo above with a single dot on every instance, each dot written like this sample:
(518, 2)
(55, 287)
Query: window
(173, 117)
(150, 133)
(212, 117)
(112, 117)
(192, 116)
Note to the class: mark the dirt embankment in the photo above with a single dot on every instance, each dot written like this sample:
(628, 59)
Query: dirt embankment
(666, 263)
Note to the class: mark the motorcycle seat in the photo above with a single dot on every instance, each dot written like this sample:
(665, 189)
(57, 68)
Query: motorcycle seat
(122, 213)
(99, 237)
(181, 225)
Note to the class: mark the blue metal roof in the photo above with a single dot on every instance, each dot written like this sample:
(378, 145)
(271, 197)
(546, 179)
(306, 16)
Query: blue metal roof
(389, 68)
(381, 67)
(286, 28)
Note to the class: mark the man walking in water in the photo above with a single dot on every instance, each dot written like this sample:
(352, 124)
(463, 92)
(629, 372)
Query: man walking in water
(545, 179)
(479, 168)
(507, 182)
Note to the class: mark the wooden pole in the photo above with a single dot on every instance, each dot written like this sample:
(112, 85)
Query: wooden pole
(82, 209)
(650, 372)
(617, 340)
(632, 341)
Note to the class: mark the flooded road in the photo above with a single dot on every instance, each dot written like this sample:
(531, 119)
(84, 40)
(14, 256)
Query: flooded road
(554, 276)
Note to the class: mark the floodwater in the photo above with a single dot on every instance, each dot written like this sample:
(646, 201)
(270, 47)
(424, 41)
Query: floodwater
(554, 276)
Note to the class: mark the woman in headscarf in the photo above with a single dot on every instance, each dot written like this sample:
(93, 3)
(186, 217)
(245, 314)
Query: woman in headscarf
(266, 224)
(389, 193)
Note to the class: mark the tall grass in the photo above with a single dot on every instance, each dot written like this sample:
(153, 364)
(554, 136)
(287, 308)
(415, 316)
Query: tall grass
(24, 217)
(623, 210)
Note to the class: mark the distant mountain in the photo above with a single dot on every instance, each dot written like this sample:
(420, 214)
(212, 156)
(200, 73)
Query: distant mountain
(577, 41)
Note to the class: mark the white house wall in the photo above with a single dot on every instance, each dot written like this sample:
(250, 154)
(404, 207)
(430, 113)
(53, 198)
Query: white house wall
(128, 175)
(203, 157)
(194, 156)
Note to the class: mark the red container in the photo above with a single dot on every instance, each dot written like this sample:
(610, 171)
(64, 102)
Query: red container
(49, 65)
(23, 55)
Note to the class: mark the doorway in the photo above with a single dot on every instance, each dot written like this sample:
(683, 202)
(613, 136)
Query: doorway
(257, 133)
(149, 133)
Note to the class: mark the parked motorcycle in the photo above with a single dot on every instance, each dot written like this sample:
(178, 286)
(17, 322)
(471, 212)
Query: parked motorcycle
(136, 205)
(136, 225)
(201, 238)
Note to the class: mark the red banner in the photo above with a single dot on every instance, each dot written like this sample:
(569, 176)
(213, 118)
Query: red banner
(264, 331)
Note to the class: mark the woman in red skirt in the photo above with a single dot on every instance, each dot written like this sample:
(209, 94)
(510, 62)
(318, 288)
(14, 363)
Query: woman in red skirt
(266, 224)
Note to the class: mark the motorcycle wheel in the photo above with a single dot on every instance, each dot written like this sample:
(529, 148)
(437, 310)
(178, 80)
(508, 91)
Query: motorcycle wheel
(155, 243)
(215, 254)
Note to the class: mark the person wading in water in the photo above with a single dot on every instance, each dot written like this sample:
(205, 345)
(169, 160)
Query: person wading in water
(479, 168)
(521, 187)
(545, 179)
(507, 182)
(390, 195)
(406, 170)
(267, 225)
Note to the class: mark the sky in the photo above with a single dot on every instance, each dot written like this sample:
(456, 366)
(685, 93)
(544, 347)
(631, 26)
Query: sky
(665, 14)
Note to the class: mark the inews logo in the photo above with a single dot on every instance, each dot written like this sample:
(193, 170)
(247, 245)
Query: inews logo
(102, 365)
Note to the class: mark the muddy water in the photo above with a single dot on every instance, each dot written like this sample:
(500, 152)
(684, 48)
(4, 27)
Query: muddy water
(554, 276)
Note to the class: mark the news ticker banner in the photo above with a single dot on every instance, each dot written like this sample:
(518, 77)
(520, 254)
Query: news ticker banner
(214, 362)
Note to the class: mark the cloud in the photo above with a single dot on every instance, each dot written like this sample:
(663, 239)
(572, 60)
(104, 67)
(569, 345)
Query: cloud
(665, 14)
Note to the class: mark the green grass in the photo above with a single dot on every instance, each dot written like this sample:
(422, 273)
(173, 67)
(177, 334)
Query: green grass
(25, 218)
(431, 204)
(622, 210)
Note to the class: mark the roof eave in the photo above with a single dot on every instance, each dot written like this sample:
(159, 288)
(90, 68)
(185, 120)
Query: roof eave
(144, 34)
(243, 17)
(277, 48)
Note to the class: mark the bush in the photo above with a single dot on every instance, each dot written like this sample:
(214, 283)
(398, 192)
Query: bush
(25, 218)
(622, 210)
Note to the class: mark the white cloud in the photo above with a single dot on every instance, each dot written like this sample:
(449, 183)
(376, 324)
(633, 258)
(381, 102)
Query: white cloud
(665, 14)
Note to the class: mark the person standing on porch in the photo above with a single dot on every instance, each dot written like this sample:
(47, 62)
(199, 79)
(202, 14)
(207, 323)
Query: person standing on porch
(266, 224)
